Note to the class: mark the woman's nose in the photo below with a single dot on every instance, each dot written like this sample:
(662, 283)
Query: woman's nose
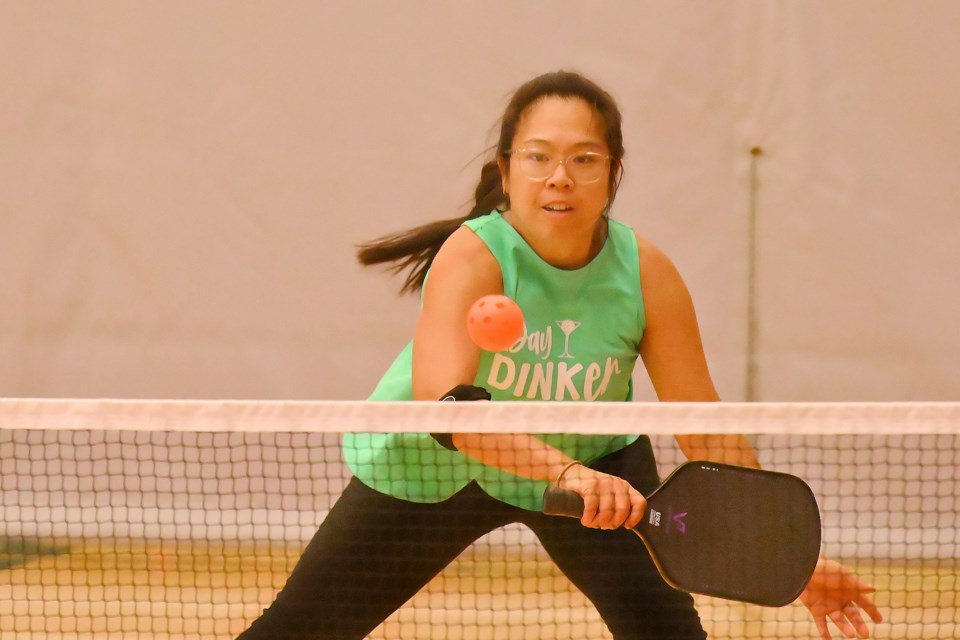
(560, 178)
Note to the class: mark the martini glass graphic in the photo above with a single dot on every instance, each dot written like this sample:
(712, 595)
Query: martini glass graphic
(568, 327)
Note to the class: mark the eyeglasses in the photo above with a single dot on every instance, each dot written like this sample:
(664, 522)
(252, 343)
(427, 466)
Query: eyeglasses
(583, 167)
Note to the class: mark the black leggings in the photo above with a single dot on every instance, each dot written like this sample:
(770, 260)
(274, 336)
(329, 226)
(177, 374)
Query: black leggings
(374, 552)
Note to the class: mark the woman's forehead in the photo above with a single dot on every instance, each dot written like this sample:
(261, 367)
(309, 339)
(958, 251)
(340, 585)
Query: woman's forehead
(560, 121)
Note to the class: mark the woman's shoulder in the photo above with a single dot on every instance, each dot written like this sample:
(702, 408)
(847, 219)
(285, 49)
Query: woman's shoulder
(658, 273)
(652, 257)
(464, 254)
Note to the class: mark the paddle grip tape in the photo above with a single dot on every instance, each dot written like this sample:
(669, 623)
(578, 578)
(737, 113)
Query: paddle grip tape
(561, 502)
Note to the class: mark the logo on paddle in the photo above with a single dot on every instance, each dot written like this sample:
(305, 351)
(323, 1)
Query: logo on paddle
(675, 521)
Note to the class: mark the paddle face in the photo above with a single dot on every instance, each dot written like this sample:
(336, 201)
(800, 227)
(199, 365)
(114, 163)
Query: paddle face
(732, 532)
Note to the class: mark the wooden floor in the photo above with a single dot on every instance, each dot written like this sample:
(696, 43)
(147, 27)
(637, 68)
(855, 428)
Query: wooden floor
(125, 589)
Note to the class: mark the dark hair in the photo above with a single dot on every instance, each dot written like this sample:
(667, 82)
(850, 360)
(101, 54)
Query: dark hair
(415, 249)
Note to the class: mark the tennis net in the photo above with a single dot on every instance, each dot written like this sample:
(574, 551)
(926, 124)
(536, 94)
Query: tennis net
(182, 519)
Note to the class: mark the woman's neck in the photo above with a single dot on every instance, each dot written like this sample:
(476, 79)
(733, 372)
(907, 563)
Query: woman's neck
(570, 252)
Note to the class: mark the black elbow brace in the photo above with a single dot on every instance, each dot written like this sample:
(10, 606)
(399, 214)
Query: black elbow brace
(460, 393)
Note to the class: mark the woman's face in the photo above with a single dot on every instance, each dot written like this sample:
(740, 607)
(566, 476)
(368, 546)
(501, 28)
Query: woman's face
(559, 206)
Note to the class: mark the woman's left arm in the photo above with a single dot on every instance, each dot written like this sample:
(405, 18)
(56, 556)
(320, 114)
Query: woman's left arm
(672, 352)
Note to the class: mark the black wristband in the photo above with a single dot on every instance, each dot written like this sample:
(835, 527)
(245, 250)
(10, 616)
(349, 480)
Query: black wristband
(463, 392)
(460, 393)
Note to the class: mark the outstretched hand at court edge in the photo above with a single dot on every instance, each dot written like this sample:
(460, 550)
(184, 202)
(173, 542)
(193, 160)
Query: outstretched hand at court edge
(834, 592)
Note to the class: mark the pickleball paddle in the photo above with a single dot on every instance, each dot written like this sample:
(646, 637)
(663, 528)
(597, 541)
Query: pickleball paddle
(726, 531)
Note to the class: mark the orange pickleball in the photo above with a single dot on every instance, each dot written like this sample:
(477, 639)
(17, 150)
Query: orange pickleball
(495, 322)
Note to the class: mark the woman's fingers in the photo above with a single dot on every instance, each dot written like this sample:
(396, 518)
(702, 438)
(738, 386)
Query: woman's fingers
(865, 602)
(591, 507)
(638, 507)
(835, 593)
(612, 494)
(621, 508)
(856, 620)
(610, 502)
(822, 627)
(843, 625)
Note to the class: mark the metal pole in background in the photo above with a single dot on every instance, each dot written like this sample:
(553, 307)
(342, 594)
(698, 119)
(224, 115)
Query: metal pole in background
(752, 316)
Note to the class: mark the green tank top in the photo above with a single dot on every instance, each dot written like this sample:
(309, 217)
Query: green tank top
(582, 331)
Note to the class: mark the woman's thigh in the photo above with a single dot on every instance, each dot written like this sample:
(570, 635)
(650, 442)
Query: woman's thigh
(370, 555)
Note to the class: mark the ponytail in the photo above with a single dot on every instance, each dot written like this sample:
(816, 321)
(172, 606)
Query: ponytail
(414, 250)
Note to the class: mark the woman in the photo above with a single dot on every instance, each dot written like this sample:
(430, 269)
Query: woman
(596, 296)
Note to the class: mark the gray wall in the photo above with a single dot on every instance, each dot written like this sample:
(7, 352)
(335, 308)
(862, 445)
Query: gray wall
(184, 183)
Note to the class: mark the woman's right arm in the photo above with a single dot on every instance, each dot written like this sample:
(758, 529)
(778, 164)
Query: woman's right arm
(444, 357)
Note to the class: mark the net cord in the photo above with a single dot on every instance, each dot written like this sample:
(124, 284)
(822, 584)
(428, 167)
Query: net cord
(869, 418)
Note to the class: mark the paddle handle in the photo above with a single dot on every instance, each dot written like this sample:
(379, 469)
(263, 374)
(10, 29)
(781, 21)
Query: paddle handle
(562, 502)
